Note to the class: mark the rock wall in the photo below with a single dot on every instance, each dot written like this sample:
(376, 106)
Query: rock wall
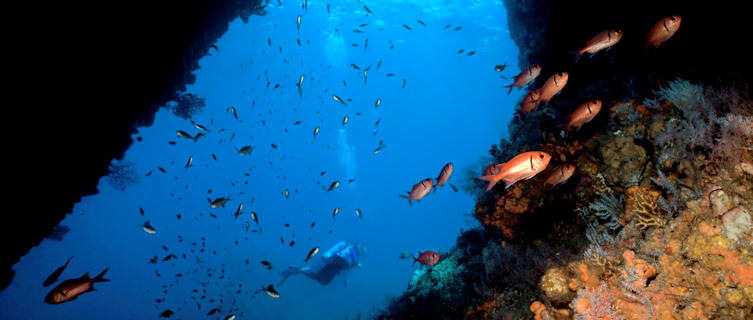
(85, 75)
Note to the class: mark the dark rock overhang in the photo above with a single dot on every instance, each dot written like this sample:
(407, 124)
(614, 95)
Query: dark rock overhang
(86, 76)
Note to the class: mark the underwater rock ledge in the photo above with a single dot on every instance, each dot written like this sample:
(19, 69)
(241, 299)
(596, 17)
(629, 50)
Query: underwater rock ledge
(96, 71)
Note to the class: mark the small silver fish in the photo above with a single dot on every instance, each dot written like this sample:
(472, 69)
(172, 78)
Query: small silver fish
(148, 228)
(270, 291)
(311, 254)
(316, 131)
(335, 212)
(255, 217)
(238, 212)
(378, 102)
(333, 185)
(339, 100)
(183, 134)
(219, 202)
(287, 193)
(190, 160)
(345, 120)
(235, 113)
(298, 22)
(246, 150)
(359, 214)
(200, 127)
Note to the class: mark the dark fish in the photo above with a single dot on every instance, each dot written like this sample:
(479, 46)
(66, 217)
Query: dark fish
(407, 27)
(421, 22)
(367, 9)
(313, 224)
(404, 82)
(359, 214)
(214, 157)
(357, 31)
(355, 66)
(167, 313)
(141, 210)
(379, 64)
(333, 185)
(471, 53)
(238, 212)
(458, 28)
(363, 25)
(461, 51)
(162, 169)
(188, 163)
(447, 26)
(219, 202)
(390, 74)
(500, 67)
(213, 311)
(328, 9)
(453, 187)
(56, 274)
(70, 289)
(169, 256)
(292, 243)
(311, 254)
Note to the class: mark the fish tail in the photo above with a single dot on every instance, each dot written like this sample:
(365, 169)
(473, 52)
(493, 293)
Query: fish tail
(510, 86)
(492, 181)
(406, 197)
(99, 277)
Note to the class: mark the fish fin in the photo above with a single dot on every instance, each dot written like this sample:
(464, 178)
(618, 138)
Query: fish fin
(406, 197)
(492, 181)
(508, 183)
(99, 278)
(577, 54)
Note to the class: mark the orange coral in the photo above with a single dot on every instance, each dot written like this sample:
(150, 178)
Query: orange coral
(737, 271)
(708, 229)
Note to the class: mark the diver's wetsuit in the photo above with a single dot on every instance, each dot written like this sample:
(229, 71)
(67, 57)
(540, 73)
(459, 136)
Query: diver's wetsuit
(340, 257)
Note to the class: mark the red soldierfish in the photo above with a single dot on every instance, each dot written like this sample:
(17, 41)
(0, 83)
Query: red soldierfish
(523, 166)
(559, 175)
(585, 113)
(444, 175)
(419, 190)
(552, 87)
(662, 31)
(603, 40)
(70, 289)
(525, 77)
(429, 258)
(530, 102)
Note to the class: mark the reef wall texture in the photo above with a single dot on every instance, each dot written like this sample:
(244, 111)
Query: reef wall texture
(85, 75)
(655, 223)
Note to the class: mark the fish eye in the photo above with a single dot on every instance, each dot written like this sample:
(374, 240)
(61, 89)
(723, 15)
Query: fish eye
(541, 156)
(672, 18)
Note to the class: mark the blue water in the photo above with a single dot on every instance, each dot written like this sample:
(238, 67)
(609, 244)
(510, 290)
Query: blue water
(452, 108)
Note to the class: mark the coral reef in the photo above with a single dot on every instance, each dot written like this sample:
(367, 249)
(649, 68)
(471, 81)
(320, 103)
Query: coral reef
(636, 235)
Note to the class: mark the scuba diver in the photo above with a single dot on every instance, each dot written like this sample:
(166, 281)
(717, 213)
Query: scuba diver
(342, 256)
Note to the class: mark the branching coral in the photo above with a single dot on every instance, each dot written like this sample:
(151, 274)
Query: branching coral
(595, 304)
(608, 208)
(642, 206)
